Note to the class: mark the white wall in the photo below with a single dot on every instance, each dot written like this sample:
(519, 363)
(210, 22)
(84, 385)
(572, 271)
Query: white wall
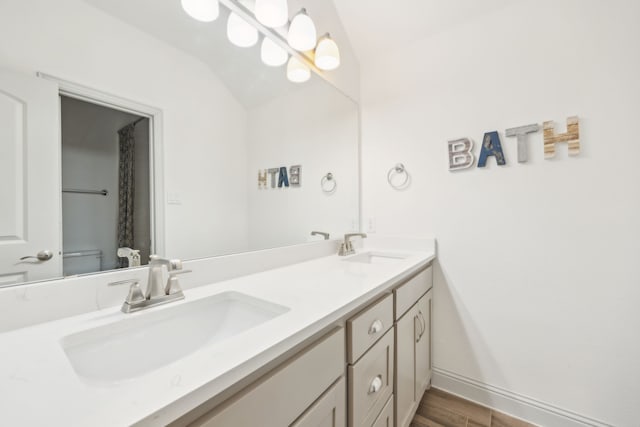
(315, 127)
(537, 293)
(203, 124)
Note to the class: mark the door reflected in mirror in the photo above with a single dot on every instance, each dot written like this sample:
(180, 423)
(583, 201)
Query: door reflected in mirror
(106, 200)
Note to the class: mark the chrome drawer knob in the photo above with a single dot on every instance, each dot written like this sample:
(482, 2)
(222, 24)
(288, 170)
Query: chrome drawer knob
(376, 327)
(376, 385)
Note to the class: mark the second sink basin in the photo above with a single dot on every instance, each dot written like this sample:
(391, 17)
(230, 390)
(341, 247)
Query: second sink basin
(376, 258)
(150, 340)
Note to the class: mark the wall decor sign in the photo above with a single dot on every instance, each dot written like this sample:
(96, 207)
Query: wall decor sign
(461, 150)
(279, 177)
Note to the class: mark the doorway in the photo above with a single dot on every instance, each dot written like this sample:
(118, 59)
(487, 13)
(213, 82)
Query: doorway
(106, 187)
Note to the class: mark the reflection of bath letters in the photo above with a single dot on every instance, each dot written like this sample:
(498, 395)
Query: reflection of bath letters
(262, 179)
(294, 175)
(280, 176)
(273, 172)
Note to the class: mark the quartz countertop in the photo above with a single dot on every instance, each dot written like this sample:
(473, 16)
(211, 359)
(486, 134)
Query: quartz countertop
(38, 385)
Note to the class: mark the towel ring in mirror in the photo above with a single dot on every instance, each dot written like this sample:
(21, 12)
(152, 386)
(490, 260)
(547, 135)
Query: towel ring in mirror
(396, 171)
(328, 183)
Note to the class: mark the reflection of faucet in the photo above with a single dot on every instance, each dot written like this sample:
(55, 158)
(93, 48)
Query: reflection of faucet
(132, 255)
(157, 293)
(320, 233)
(346, 248)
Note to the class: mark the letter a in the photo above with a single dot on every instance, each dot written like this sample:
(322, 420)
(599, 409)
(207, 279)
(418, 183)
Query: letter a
(491, 147)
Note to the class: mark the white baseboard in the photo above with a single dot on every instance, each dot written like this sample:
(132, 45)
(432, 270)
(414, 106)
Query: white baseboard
(514, 404)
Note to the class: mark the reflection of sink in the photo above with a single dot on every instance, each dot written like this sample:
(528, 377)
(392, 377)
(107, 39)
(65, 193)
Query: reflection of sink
(376, 258)
(148, 341)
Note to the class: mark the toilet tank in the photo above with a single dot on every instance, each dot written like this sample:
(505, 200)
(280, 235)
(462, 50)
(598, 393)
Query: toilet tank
(80, 262)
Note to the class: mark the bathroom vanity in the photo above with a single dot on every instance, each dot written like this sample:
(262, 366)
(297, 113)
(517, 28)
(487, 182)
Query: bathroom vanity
(329, 341)
(387, 348)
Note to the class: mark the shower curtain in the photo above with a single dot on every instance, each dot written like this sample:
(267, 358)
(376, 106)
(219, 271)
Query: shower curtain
(126, 189)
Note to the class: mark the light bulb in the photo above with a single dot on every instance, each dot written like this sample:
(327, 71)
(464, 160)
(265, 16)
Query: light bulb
(202, 10)
(302, 32)
(240, 32)
(327, 54)
(297, 72)
(272, 13)
(272, 54)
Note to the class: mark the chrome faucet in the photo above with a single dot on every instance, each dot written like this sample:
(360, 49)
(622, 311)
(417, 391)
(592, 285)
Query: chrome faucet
(157, 292)
(346, 247)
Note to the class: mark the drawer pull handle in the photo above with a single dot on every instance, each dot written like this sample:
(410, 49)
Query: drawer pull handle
(376, 327)
(376, 385)
(423, 322)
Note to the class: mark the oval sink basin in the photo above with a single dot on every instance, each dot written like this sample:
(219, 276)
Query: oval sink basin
(376, 258)
(147, 341)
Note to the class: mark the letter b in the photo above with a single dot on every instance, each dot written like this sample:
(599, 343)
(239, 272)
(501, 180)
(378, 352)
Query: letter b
(460, 155)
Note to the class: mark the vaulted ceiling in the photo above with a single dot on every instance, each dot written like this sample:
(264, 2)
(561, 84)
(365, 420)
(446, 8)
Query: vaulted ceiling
(364, 29)
(376, 26)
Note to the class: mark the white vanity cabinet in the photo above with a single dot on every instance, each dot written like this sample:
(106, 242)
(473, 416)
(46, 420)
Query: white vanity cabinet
(307, 391)
(413, 345)
(379, 383)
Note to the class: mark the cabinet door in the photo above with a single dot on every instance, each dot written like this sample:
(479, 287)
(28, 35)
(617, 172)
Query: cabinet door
(423, 346)
(408, 330)
(328, 411)
(413, 359)
(385, 419)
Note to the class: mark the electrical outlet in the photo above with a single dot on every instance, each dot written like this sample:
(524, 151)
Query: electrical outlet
(371, 225)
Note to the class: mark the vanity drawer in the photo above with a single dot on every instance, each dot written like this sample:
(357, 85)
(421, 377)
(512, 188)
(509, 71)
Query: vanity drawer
(370, 381)
(368, 326)
(385, 419)
(408, 293)
(286, 393)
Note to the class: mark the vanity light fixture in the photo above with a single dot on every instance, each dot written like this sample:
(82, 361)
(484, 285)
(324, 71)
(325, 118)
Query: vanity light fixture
(297, 72)
(272, 54)
(301, 35)
(202, 10)
(327, 54)
(240, 32)
(302, 32)
(272, 13)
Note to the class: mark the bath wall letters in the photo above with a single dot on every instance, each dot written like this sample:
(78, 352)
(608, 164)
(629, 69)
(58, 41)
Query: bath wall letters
(461, 150)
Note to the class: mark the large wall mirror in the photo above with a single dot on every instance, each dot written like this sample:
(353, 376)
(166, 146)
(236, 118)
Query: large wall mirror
(128, 128)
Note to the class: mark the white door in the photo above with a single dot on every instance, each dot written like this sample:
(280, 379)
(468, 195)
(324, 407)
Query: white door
(30, 190)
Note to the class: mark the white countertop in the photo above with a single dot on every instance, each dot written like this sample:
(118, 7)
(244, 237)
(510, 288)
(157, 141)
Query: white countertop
(38, 385)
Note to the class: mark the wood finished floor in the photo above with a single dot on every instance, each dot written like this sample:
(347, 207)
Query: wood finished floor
(441, 409)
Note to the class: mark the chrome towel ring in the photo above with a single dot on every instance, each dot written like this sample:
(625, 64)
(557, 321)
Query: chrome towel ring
(328, 184)
(399, 183)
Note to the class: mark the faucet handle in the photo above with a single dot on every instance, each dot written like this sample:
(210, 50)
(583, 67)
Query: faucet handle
(173, 286)
(135, 293)
(320, 233)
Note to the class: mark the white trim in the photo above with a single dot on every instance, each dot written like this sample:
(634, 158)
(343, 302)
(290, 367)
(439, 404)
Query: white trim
(509, 402)
(156, 147)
